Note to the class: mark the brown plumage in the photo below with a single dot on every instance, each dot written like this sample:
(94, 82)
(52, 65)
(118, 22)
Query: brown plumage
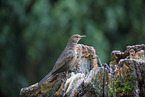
(67, 58)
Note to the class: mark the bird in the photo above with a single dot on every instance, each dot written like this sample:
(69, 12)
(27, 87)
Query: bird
(67, 58)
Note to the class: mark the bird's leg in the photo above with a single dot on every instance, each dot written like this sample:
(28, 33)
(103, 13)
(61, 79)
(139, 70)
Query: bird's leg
(64, 76)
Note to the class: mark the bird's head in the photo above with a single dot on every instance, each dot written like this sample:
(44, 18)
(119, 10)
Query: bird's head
(75, 39)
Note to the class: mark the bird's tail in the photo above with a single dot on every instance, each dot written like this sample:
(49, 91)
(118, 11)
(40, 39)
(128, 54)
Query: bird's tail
(48, 76)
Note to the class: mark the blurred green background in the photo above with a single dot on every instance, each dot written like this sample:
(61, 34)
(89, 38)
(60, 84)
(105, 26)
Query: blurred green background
(33, 33)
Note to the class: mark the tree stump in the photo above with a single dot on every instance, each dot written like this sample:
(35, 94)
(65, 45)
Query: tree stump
(123, 77)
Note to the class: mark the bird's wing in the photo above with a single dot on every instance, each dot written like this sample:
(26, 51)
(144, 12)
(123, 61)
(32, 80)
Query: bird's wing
(63, 59)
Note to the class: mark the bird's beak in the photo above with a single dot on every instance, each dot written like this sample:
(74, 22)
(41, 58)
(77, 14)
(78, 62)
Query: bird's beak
(83, 36)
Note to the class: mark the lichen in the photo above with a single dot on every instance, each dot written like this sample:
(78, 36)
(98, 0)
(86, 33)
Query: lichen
(73, 83)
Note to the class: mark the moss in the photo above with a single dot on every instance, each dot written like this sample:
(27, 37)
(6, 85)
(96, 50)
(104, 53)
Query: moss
(124, 88)
(110, 86)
